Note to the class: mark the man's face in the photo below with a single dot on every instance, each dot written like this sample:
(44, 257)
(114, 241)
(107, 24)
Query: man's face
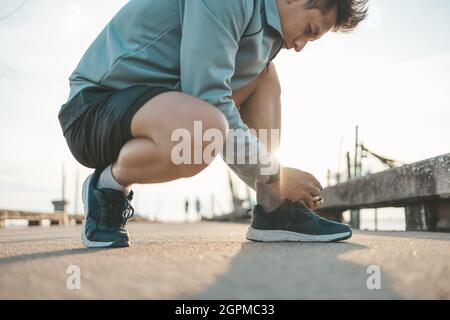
(301, 25)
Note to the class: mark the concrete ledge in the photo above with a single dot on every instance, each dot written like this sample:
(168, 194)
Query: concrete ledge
(424, 180)
(422, 188)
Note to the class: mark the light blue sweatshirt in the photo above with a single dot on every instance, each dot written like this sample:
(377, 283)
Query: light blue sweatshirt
(204, 48)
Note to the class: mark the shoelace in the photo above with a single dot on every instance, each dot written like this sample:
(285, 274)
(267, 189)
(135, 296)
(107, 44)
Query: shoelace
(112, 217)
(127, 209)
(298, 206)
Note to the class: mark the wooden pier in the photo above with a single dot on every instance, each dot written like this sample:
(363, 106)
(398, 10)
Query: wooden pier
(36, 218)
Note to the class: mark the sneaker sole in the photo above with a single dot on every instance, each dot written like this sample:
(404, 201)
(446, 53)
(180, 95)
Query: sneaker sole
(289, 236)
(95, 244)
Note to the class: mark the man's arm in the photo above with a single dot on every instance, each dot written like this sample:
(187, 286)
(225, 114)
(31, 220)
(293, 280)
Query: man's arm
(211, 32)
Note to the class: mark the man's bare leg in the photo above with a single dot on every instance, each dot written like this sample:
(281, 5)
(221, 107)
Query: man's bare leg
(260, 106)
(147, 157)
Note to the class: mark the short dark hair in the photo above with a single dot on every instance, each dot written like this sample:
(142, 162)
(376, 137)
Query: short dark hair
(349, 12)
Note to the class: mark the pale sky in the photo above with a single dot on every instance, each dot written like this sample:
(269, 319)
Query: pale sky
(392, 77)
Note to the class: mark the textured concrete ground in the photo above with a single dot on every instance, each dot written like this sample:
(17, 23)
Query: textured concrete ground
(213, 260)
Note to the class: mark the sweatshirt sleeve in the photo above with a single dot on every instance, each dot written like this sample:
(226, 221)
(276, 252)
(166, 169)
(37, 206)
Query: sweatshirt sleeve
(211, 31)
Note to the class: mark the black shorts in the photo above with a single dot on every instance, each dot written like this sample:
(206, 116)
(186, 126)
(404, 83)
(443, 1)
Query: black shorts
(96, 122)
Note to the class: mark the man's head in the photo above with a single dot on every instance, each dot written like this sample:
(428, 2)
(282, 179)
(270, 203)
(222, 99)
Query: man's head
(308, 20)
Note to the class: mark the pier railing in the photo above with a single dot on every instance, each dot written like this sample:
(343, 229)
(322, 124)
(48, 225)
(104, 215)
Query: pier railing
(422, 188)
(36, 218)
(55, 218)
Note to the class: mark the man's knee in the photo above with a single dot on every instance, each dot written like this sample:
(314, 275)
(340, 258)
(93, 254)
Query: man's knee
(206, 142)
(270, 80)
(266, 82)
(198, 142)
(214, 119)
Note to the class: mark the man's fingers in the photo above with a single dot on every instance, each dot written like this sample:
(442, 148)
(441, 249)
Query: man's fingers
(316, 182)
(318, 185)
(315, 192)
(318, 201)
(310, 203)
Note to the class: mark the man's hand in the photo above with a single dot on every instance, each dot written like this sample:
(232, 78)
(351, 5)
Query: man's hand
(298, 186)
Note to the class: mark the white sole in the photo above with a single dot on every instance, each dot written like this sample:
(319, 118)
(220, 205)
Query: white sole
(283, 236)
(86, 241)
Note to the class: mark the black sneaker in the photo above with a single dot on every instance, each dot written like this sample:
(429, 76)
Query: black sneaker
(294, 222)
(106, 213)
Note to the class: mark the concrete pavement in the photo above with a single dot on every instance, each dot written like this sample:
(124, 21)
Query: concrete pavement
(214, 261)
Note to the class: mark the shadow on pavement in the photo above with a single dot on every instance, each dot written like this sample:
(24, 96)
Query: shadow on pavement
(33, 240)
(46, 254)
(425, 235)
(295, 271)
